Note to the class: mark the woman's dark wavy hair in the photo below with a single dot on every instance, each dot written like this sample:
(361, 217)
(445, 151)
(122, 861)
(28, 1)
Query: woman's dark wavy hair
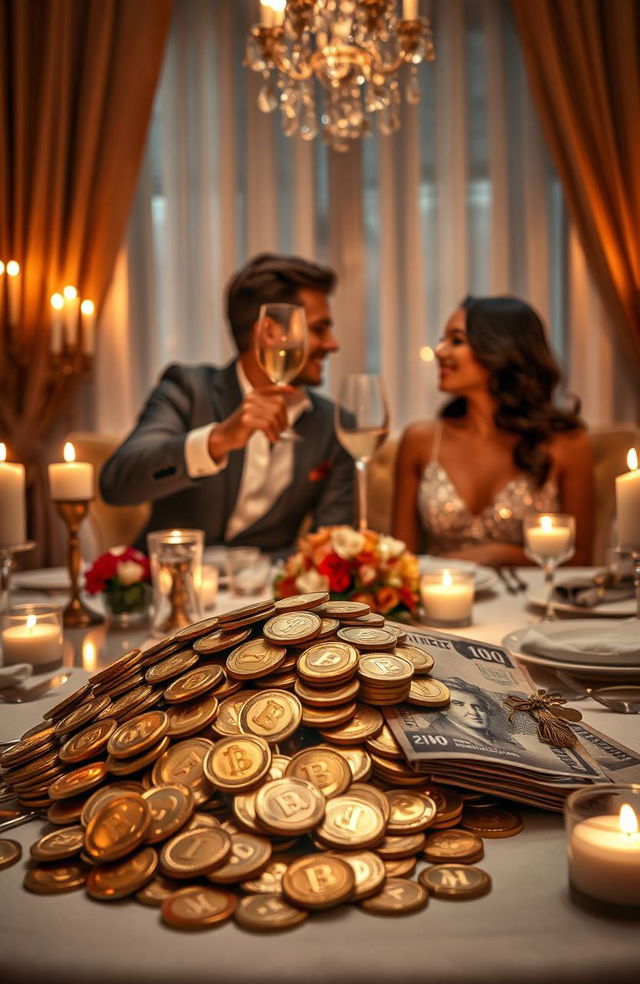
(507, 337)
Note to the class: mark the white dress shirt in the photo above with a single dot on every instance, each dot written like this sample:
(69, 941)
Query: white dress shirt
(267, 470)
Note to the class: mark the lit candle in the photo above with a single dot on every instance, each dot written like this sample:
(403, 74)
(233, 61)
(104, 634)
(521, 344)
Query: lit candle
(13, 291)
(88, 312)
(73, 480)
(278, 7)
(71, 311)
(628, 504)
(55, 337)
(410, 9)
(548, 540)
(35, 642)
(266, 13)
(447, 597)
(13, 525)
(604, 857)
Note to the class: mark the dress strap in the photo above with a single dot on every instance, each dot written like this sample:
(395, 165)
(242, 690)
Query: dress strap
(437, 439)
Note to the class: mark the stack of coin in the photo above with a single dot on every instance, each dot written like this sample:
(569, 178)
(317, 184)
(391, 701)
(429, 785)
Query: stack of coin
(385, 679)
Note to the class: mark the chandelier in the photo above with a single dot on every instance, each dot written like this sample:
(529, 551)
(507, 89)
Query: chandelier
(353, 50)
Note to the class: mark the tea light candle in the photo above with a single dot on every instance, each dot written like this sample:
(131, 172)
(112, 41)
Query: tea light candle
(447, 597)
(13, 524)
(628, 504)
(548, 540)
(73, 480)
(604, 857)
(38, 643)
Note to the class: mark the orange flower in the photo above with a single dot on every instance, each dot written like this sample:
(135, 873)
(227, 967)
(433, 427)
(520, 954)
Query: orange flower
(364, 596)
(386, 600)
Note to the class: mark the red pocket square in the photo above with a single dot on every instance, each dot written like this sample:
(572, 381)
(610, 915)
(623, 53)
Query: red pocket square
(319, 472)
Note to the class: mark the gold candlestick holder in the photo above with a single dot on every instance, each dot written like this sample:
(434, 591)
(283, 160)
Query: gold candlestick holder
(76, 614)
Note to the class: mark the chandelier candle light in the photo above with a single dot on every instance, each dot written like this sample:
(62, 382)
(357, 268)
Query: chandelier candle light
(355, 50)
(628, 516)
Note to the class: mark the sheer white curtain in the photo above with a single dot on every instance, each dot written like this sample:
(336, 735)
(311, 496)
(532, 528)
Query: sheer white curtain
(463, 199)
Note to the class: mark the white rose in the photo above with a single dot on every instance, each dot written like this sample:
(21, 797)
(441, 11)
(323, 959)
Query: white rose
(346, 542)
(312, 580)
(390, 548)
(128, 572)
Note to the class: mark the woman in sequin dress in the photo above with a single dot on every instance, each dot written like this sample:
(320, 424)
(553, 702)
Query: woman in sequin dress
(500, 448)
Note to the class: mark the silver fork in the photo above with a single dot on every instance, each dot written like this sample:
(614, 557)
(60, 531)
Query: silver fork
(520, 583)
(502, 574)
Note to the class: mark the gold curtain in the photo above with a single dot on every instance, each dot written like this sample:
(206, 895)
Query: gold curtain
(77, 80)
(583, 63)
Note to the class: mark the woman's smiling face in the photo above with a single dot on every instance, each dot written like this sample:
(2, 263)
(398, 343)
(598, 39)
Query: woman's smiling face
(459, 369)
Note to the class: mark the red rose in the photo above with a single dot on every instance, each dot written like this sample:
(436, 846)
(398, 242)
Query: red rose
(338, 571)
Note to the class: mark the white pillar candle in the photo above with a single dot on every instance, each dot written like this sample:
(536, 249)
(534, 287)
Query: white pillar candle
(73, 480)
(38, 643)
(628, 504)
(88, 312)
(266, 13)
(71, 314)
(278, 7)
(410, 9)
(548, 541)
(13, 524)
(604, 857)
(447, 596)
(13, 291)
(55, 335)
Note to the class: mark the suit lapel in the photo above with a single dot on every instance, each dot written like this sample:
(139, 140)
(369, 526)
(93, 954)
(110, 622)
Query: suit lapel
(226, 397)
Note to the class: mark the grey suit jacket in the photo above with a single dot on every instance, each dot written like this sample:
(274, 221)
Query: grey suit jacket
(150, 465)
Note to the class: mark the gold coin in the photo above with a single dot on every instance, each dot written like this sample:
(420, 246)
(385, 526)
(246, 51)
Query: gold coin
(103, 796)
(402, 868)
(373, 618)
(157, 890)
(238, 763)
(273, 715)
(298, 602)
(32, 769)
(127, 767)
(195, 852)
(372, 794)
(249, 855)
(227, 722)
(254, 659)
(292, 627)
(455, 881)
(384, 668)
(78, 781)
(67, 811)
(357, 759)
(289, 806)
(351, 821)
(448, 802)
(318, 881)
(491, 822)
(117, 827)
(200, 820)
(399, 897)
(218, 641)
(81, 715)
(58, 844)
(421, 661)
(328, 628)
(55, 879)
(153, 697)
(277, 681)
(428, 692)
(368, 637)
(278, 766)
(197, 629)
(128, 704)
(340, 609)
(395, 772)
(185, 720)
(139, 733)
(172, 666)
(28, 748)
(243, 620)
(227, 688)
(197, 907)
(255, 608)
(327, 717)
(400, 634)
(244, 811)
(459, 846)
(160, 651)
(270, 879)
(325, 769)
(64, 707)
(171, 807)
(108, 882)
(183, 765)
(369, 872)
(127, 683)
(10, 852)
(193, 684)
(410, 811)
(268, 913)
(395, 847)
(120, 665)
(89, 742)
(366, 721)
(316, 697)
(384, 744)
(328, 662)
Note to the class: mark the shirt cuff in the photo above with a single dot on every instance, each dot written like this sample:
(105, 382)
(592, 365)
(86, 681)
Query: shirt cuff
(197, 459)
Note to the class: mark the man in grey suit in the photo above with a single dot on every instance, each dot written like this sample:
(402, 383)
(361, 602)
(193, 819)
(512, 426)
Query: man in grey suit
(205, 449)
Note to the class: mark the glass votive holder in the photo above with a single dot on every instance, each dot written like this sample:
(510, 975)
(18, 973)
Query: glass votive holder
(447, 597)
(603, 844)
(32, 634)
(209, 587)
(175, 557)
(249, 570)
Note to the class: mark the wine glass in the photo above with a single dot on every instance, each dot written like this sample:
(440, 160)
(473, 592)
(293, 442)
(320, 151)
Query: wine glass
(362, 425)
(281, 346)
(549, 540)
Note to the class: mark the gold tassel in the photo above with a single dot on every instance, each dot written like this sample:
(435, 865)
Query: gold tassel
(547, 710)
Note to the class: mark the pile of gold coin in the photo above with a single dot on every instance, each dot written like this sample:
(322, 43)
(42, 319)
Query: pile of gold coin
(241, 768)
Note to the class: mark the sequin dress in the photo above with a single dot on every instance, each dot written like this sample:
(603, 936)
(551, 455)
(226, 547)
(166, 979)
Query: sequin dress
(449, 523)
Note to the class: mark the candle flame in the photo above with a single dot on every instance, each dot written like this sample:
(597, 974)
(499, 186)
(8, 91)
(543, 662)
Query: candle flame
(632, 459)
(31, 622)
(447, 580)
(57, 301)
(89, 655)
(3, 451)
(13, 268)
(69, 452)
(546, 523)
(628, 820)
(87, 307)
(70, 293)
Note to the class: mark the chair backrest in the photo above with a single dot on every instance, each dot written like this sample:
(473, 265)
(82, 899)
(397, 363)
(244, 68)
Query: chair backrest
(610, 446)
(110, 526)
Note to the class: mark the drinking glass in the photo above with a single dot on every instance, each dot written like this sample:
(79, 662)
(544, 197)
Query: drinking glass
(248, 569)
(362, 425)
(549, 540)
(281, 346)
(176, 573)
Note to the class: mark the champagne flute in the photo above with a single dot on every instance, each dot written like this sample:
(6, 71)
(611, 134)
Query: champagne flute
(281, 346)
(549, 540)
(362, 425)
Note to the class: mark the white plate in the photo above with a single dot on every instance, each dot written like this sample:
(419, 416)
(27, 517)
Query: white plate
(608, 609)
(44, 579)
(599, 671)
(485, 577)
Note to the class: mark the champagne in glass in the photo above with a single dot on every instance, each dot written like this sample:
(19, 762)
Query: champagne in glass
(281, 346)
(549, 540)
(362, 425)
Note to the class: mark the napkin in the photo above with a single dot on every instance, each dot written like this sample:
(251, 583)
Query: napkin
(607, 642)
(13, 676)
(588, 592)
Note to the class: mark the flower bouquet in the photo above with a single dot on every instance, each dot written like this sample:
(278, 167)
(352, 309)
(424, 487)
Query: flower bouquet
(368, 567)
(122, 575)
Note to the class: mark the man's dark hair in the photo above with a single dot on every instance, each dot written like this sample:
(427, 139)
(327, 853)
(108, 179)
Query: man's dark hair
(270, 277)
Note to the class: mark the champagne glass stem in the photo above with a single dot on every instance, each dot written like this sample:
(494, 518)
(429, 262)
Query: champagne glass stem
(549, 570)
(361, 472)
(636, 579)
(7, 564)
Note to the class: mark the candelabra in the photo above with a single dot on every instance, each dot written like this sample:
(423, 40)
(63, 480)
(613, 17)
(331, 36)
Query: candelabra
(76, 614)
